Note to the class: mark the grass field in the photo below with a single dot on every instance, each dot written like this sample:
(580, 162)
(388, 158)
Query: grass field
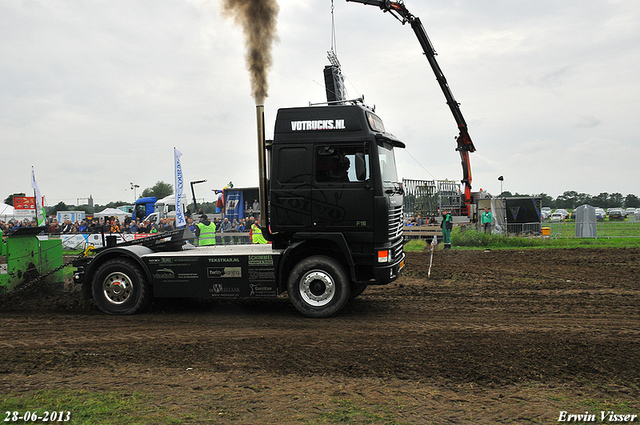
(618, 235)
(605, 229)
(85, 407)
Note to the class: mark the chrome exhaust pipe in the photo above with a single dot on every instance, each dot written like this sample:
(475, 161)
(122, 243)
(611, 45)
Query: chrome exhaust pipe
(262, 174)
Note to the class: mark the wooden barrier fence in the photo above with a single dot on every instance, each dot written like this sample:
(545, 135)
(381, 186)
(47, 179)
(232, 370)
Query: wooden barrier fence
(422, 232)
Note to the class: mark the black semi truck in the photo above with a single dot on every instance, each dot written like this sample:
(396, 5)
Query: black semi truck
(331, 207)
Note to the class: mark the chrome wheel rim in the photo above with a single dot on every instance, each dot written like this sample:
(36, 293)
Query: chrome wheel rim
(317, 288)
(117, 288)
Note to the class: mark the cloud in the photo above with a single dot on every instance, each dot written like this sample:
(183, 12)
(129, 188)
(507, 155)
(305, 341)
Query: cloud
(587, 122)
(96, 95)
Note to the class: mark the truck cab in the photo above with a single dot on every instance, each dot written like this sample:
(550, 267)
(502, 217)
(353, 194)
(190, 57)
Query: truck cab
(166, 207)
(143, 207)
(334, 186)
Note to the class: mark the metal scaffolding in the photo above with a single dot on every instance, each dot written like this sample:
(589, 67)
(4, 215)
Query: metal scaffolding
(420, 197)
(449, 196)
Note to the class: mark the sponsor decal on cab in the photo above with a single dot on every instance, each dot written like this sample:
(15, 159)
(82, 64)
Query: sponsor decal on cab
(318, 125)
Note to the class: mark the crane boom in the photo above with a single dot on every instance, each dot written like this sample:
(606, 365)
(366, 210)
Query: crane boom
(465, 145)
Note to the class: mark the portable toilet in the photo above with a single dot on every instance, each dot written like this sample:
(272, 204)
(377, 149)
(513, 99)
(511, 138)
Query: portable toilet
(586, 222)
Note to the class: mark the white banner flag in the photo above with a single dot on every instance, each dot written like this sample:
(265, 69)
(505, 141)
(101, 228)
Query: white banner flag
(40, 215)
(180, 220)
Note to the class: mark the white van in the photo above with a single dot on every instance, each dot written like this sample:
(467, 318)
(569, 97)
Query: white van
(165, 208)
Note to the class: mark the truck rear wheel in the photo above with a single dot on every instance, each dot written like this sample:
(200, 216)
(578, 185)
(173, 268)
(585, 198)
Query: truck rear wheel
(119, 287)
(318, 287)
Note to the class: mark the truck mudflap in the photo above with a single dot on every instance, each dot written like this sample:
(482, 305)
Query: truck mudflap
(388, 272)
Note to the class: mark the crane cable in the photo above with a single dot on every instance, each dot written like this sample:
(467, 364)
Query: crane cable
(333, 30)
(418, 162)
(334, 50)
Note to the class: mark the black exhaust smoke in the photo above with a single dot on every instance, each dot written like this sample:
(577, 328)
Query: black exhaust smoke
(258, 19)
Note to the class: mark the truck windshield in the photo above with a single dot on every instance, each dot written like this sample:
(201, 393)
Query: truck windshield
(387, 164)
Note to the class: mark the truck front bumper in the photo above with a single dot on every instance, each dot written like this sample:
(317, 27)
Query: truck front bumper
(389, 272)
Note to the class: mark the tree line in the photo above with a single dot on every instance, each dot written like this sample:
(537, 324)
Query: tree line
(572, 199)
(568, 200)
(159, 190)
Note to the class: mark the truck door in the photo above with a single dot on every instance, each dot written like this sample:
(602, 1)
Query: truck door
(342, 200)
(290, 201)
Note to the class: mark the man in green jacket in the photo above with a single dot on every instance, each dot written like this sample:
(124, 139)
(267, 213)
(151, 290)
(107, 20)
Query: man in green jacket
(486, 219)
(256, 233)
(206, 231)
(447, 227)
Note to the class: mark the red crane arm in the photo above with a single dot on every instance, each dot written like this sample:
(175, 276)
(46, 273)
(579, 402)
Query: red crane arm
(465, 145)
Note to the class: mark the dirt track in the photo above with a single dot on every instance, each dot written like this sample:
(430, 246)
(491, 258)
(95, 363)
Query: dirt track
(491, 337)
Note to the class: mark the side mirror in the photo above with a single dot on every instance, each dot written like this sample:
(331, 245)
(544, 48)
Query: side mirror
(361, 167)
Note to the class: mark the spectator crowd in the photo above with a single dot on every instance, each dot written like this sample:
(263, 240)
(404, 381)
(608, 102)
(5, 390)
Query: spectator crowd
(113, 225)
(417, 220)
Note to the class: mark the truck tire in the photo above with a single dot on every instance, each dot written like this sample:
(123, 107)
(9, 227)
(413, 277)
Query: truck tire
(318, 287)
(120, 287)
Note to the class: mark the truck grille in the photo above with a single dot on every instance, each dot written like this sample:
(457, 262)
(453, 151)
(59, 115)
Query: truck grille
(397, 250)
(395, 222)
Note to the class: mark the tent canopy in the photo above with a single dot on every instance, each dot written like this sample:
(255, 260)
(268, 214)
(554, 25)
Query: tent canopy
(6, 209)
(110, 212)
(6, 212)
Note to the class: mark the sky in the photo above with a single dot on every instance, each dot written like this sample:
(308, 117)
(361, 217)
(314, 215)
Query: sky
(94, 95)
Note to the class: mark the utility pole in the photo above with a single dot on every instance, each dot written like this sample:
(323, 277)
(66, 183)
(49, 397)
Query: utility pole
(134, 187)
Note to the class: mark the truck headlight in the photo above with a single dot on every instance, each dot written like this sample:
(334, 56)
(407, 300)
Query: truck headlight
(384, 256)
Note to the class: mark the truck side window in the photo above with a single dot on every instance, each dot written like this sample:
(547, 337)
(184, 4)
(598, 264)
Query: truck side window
(293, 167)
(337, 164)
(140, 211)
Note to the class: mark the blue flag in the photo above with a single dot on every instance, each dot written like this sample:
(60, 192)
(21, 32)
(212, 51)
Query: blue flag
(180, 220)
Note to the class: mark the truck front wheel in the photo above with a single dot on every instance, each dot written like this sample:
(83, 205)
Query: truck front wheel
(119, 287)
(357, 289)
(318, 287)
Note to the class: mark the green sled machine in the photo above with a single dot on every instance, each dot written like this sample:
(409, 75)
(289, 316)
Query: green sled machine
(24, 258)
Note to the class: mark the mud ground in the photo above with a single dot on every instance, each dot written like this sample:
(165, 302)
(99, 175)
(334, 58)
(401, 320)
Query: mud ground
(491, 337)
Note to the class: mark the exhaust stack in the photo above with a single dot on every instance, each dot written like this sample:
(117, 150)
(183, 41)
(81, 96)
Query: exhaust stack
(262, 174)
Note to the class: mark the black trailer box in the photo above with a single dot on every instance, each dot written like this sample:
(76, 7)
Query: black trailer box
(523, 214)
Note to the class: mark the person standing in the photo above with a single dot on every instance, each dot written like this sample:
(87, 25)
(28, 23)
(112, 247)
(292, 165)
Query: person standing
(256, 233)
(206, 231)
(447, 227)
(225, 227)
(486, 219)
(191, 225)
(248, 225)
